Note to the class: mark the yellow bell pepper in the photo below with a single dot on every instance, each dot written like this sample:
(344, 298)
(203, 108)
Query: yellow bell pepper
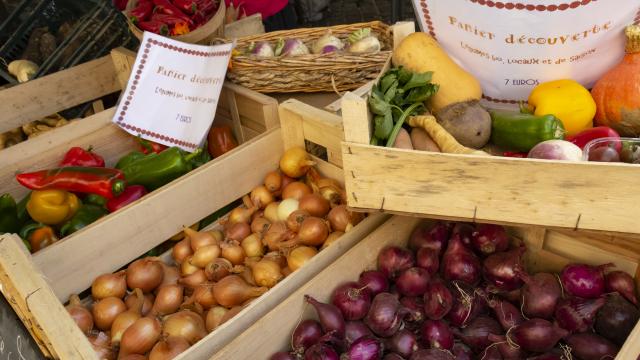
(52, 207)
(568, 101)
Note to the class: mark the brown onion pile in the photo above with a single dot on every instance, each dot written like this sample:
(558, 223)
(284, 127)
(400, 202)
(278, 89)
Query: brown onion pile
(155, 310)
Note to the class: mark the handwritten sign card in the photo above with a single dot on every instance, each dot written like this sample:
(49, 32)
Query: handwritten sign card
(173, 91)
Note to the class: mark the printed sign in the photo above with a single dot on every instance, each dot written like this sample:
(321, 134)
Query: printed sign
(513, 46)
(173, 91)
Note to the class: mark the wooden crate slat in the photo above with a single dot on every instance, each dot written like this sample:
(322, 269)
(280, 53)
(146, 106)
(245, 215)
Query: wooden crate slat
(586, 196)
(44, 96)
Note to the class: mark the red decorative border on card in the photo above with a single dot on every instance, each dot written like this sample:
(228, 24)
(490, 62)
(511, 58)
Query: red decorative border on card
(129, 98)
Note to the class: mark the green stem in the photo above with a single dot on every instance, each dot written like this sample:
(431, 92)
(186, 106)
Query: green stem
(398, 124)
(193, 154)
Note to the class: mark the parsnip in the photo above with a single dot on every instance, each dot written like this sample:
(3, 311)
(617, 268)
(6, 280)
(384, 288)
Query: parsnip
(445, 141)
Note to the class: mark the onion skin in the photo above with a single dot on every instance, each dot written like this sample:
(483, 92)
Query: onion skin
(588, 346)
(365, 348)
(616, 319)
(467, 305)
(392, 260)
(140, 337)
(459, 263)
(295, 219)
(437, 334)
(583, 280)
(329, 315)
(233, 291)
(218, 269)
(622, 283)
(354, 330)
(577, 314)
(108, 285)
(428, 259)
(314, 204)
(375, 281)
(437, 300)
(537, 335)
(476, 334)
(507, 351)
(106, 310)
(168, 349)
(540, 295)
(101, 344)
(506, 313)
(502, 269)
(185, 324)
(385, 315)
(352, 299)
(305, 335)
(320, 351)
(80, 314)
(145, 274)
(415, 311)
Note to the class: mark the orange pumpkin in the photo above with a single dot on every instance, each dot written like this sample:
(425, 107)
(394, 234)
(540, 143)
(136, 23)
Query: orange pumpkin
(617, 93)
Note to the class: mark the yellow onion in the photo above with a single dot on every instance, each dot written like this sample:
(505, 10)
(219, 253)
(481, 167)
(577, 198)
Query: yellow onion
(266, 272)
(203, 295)
(131, 301)
(171, 274)
(252, 245)
(260, 225)
(205, 255)
(127, 318)
(168, 349)
(185, 324)
(107, 285)
(233, 291)
(187, 268)
(332, 238)
(140, 337)
(198, 239)
(300, 256)
(145, 274)
(101, 344)
(181, 250)
(168, 300)
(194, 279)
(233, 252)
(273, 181)
(295, 162)
(80, 314)
(241, 214)
(261, 197)
(218, 269)
(314, 204)
(106, 310)
(296, 190)
(271, 211)
(214, 317)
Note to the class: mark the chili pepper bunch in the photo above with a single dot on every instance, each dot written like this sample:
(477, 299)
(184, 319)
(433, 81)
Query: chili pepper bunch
(172, 17)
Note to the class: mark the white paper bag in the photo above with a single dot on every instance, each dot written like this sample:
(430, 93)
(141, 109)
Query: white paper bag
(513, 46)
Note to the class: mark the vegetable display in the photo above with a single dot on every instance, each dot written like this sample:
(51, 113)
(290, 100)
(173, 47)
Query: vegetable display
(171, 17)
(477, 302)
(154, 307)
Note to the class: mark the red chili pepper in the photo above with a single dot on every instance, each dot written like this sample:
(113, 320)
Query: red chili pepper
(142, 11)
(167, 19)
(93, 180)
(148, 147)
(154, 27)
(188, 6)
(582, 138)
(120, 4)
(77, 156)
(129, 195)
(206, 7)
(514, 154)
(166, 7)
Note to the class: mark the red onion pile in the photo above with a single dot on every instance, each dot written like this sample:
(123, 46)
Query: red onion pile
(460, 292)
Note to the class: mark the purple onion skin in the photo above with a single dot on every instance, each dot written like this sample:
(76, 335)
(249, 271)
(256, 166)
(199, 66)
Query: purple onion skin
(354, 330)
(506, 313)
(432, 354)
(329, 315)
(540, 294)
(462, 351)
(435, 237)
(488, 239)
(437, 334)
(463, 312)
(502, 269)
(428, 259)
(437, 300)
(320, 352)
(413, 282)
(547, 356)
(385, 315)
(415, 308)
(537, 335)
(392, 356)
(621, 282)
(584, 280)
(393, 260)
(463, 232)
(459, 263)
(306, 334)
(476, 334)
(365, 348)
(507, 351)
(403, 343)
(281, 355)
(375, 281)
(577, 314)
(616, 319)
(589, 346)
(352, 299)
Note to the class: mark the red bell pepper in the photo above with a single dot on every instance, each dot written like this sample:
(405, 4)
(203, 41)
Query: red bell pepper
(166, 7)
(77, 156)
(129, 195)
(141, 12)
(92, 180)
(582, 138)
(514, 154)
(188, 6)
(148, 147)
(155, 27)
(167, 19)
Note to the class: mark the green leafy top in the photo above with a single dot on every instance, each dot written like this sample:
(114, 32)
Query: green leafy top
(359, 35)
(399, 93)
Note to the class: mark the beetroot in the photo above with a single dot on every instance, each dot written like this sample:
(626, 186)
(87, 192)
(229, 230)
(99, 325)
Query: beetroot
(616, 319)
(576, 314)
(540, 295)
(459, 263)
(502, 269)
(488, 239)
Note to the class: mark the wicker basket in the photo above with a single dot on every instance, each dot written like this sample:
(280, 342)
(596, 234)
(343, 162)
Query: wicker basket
(203, 35)
(310, 73)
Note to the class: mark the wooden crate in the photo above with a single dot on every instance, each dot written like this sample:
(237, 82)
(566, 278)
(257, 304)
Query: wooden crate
(36, 285)
(546, 251)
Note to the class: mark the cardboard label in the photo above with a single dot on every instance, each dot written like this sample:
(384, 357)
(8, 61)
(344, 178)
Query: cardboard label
(173, 91)
(511, 46)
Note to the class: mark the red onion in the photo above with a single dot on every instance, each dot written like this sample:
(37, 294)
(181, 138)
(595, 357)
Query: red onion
(589, 346)
(437, 334)
(432, 354)
(435, 238)
(437, 300)
(501, 269)
(488, 239)
(375, 281)
(577, 314)
(393, 260)
(413, 281)
(466, 305)
(385, 315)
(462, 351)
(415, 308)
(506, 313)
(428, 259)
(540, 295)
(329, 315)
(475, 335)
(281, 355)
(536, 335)
(548, 356)
(365, 348)
(508, 351)
(306, 334)
(352, 299)
(403, 342)
(320, 352)
(354, 330)
(459, 263)
(490, 353)
(623, 283)
(584, 280)
(616, 319)
(392, 356)
(463, 232)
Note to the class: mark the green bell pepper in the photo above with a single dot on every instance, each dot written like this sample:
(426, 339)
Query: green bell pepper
(95, 199)
(9, 222)
(521, 131)
(23, 214)
(87, 214)
(155, 170)
(129, 158)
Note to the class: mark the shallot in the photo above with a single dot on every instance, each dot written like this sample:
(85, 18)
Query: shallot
(576, 314)
(329, 315)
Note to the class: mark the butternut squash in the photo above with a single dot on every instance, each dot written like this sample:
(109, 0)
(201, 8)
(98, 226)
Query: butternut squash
(420, 53)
